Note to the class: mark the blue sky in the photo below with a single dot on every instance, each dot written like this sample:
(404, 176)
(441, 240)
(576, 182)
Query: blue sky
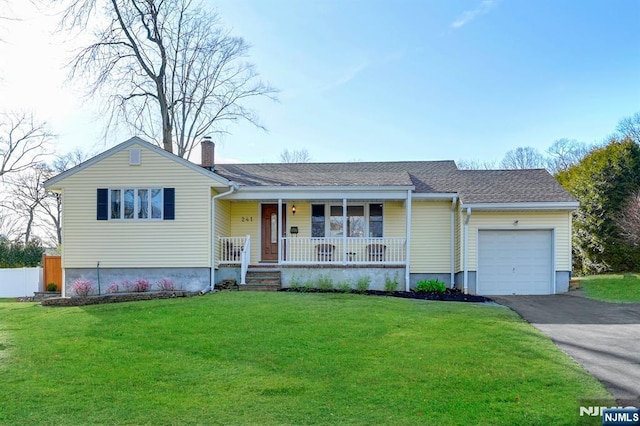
(380, 80)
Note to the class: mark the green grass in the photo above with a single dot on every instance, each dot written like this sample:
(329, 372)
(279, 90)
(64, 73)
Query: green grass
(283, 358)
(612, 288)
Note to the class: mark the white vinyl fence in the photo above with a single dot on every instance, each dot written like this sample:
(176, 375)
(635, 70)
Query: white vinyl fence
(20, 282)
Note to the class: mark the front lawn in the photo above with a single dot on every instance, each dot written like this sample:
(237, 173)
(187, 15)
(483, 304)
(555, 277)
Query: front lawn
(612, 288)
(283, 358)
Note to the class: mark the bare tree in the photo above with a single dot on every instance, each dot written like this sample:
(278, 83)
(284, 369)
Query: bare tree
(629, 220)
(26, 194)
(10, 226)
(51, 204)
(476, 165)
(295, 156)
(629, 127)
(23, 141)
(523, 158)
(564, 153)
(166, 64)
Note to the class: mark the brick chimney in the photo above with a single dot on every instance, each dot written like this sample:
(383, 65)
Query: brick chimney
(207, 147)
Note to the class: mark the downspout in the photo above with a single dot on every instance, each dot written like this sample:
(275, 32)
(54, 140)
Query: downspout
(234, 188)
(453, 241)
(466, 250)
(407, 272)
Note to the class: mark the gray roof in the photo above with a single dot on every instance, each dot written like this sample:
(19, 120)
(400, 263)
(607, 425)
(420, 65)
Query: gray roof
(428, 177)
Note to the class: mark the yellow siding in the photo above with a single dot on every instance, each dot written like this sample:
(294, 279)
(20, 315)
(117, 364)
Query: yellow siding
(560, 221)
(183, 242)
(302, 218)
(245, 220)
(223, 222)
(458, 239)
(431, 237)
(395, 219)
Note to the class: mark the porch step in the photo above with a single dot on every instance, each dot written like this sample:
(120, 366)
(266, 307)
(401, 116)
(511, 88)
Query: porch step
(266, 280)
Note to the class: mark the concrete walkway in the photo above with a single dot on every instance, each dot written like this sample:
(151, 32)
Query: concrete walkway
(602, 337)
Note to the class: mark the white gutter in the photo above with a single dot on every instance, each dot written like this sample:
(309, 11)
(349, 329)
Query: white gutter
(522, 206)
(466, 250)
(407, 273)
(234, 188)
(453, 241)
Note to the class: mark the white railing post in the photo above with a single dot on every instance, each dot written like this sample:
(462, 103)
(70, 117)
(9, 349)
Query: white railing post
(245, 258)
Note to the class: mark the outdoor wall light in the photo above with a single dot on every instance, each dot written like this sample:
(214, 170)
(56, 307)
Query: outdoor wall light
(515, 223)
(293, 209)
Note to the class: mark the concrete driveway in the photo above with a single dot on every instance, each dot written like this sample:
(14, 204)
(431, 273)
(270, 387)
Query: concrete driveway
(602, 337)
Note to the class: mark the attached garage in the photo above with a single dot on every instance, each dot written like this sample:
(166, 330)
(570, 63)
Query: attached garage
(515, 262)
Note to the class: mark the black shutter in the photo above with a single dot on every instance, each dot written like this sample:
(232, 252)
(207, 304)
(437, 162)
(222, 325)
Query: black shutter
(103, 203)
(169, 203)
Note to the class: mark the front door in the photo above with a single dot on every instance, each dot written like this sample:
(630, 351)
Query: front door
(270, 231)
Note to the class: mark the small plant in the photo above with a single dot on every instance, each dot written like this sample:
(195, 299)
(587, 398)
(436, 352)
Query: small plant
(295, 283)
(140, 285)
(391, 285)
(52, 287)
(126, 285)
(82, 287)
(113, 288)
(308, 286)
(344, 287)
(166, 284)
(362, 284)
(430, 286)
(325, 282)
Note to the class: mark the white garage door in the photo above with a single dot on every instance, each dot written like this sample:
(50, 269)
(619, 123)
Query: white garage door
(514, 262)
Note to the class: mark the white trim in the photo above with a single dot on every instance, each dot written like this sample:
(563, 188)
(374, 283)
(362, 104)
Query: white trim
(278, 230)
(444, 196)
(319, 193)
(522, 206)
(407, 250)
(465, 253)
(452, 261)
(126, 144)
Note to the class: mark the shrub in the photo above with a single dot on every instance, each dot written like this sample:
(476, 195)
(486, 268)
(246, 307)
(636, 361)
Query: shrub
(362, 284)
(344, 287)
(82, 287)
(113, 288)
(140, 286)
(391, 285)
(295, 283)
(325, 282)
(308, 286)
(430, 286)
(166, 284)
(52, 287)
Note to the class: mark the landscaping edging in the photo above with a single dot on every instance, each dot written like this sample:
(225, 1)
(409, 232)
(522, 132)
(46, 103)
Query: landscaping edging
(115, 298)
(451, 295)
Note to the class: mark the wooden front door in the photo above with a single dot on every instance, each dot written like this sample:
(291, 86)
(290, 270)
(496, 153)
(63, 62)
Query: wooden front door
(270, 231)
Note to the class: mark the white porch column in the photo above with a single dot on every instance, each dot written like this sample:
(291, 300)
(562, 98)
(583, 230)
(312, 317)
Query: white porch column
(407, 273)
(344, 231)
(279, 239)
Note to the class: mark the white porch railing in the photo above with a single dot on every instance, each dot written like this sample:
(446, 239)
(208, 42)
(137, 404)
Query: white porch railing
(234, 250)
(344, 251)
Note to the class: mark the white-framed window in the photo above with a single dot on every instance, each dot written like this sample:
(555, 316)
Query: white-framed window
(362, 220)
(136, 203)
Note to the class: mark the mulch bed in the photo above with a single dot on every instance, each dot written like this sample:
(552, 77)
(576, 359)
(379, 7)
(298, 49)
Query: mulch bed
(115, 298)
(450, 295)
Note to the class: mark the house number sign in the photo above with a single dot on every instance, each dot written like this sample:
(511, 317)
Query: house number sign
(246, 219)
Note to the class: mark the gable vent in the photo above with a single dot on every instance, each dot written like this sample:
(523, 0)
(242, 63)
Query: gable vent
(135, 157)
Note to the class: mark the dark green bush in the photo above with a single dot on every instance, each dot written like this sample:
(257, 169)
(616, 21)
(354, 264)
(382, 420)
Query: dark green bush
(17, 255)
(430, 286)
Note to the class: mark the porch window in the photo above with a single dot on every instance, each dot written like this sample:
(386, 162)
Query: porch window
(317, 220)
(355, 221)
(375, 220)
